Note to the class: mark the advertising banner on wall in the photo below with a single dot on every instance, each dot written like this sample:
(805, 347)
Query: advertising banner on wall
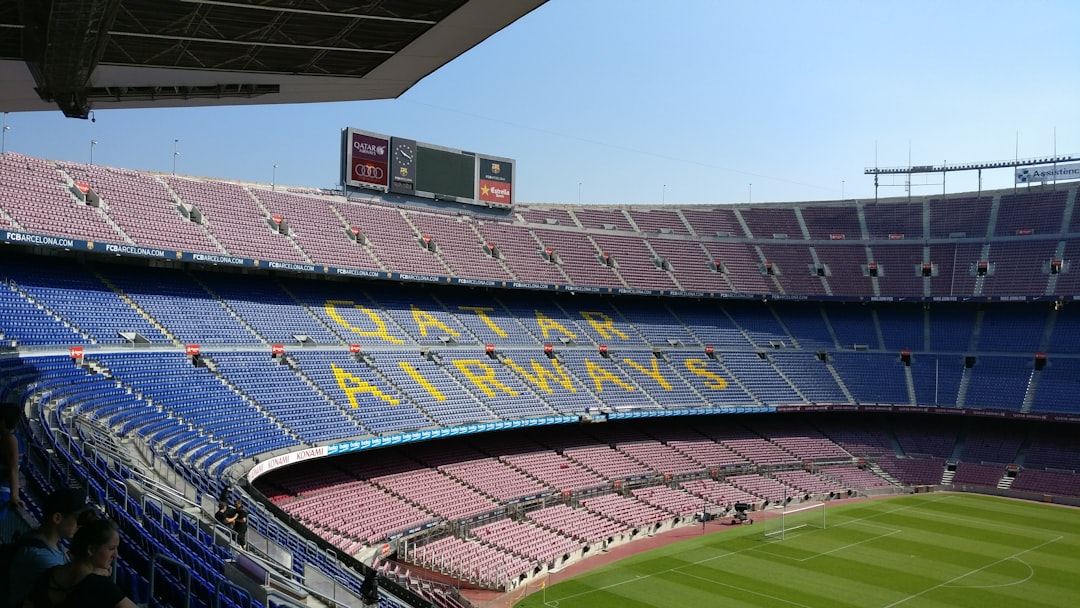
(366, 159)
(1047, 173)
(496, 180)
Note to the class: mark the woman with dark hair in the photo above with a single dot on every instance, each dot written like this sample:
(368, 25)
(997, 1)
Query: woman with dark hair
(84, 581)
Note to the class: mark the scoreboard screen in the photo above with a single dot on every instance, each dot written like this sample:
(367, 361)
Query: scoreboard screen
(405, 166)
(364, 162)
(445, 172)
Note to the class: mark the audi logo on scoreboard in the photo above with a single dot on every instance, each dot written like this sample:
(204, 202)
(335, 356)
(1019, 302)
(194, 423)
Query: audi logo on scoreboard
(367, 159)
(368, 172)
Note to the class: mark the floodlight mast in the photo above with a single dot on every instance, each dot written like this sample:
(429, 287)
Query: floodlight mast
(946, 168)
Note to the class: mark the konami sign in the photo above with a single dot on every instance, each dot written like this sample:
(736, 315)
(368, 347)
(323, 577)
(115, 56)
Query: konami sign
(285, 460)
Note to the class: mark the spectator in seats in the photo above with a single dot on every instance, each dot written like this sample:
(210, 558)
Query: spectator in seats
(10, 458)
(62, 513)
(240, 523)
(85, 581)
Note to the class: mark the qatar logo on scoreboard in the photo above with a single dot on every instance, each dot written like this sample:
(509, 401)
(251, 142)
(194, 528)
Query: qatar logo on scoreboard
(369, 159)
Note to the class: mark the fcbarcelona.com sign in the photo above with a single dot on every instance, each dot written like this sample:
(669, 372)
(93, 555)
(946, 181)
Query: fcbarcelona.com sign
(366, 159)
(1047, 173)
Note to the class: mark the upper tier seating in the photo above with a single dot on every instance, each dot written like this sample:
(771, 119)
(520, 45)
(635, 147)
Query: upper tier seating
(236, 219)
(689, 248)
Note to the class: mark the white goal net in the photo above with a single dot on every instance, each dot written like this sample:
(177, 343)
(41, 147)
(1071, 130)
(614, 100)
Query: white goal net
(808, 515)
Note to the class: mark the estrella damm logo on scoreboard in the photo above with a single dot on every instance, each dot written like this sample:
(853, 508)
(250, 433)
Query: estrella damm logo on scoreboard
(495, 181)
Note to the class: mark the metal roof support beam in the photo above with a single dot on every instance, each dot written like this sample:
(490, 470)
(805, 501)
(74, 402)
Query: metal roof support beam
(63, 41)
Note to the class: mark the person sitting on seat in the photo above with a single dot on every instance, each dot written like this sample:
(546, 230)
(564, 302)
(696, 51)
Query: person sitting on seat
(62, 513)
(85, 581)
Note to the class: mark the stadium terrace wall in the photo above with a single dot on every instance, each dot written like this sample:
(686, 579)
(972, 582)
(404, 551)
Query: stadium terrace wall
(346, 447)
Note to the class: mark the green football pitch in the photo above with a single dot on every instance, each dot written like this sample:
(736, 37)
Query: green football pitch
(918, 550)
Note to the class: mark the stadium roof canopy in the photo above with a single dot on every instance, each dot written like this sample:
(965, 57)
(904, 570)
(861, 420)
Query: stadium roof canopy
(82, 55)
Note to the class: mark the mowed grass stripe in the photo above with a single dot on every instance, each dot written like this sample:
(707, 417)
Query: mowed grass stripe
(983, 510)
(807, 586)
(951, 550)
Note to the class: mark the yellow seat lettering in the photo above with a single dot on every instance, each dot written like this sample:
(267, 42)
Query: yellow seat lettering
(603, 324)
(600, 375)
(653, 373)
(547, 324)
(713, 380)
(354, 386)
(482, 312)
(381, 332)
(421, 380)
(541, 375)
(483, 376)
(425, 319)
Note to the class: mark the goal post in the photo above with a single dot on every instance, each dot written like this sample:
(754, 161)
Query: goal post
(806, 515)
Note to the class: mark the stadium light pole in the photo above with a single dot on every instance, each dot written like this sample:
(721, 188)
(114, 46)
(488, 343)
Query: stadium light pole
(175, 153)
(579, 193)
(842, 197)
(93, 142)
(3, 138)
(273, 182)
(663, 194)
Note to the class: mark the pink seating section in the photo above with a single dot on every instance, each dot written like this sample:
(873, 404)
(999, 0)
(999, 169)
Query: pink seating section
(443, 495)
(625, 510)
(443, 595)
(560, 472)
(721, 493)
(608, 462)
(37, 199)
(470, 560)
(495, 478)
(318, 228)
(853, 477)
(772, 489)
(973, 473)
(577, 523)
(526, 539)
(759, 450)
(857, 439)
(460, 245)
(144, 208)
(913, 471)
(1048, 482)
(672, 500)
(357, 511)
(807, 482)
(660, 457)
(709, 453)
(811, 448)
(649, 247)
(236, 218)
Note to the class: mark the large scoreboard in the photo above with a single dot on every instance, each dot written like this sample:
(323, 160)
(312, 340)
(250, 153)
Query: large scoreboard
(406, 166)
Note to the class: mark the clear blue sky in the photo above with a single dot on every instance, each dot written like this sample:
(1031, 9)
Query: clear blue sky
(683, 102)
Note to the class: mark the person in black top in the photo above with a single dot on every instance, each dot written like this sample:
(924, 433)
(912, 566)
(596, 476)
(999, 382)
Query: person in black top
(224, 514)
(84, 582)
(240, 523)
